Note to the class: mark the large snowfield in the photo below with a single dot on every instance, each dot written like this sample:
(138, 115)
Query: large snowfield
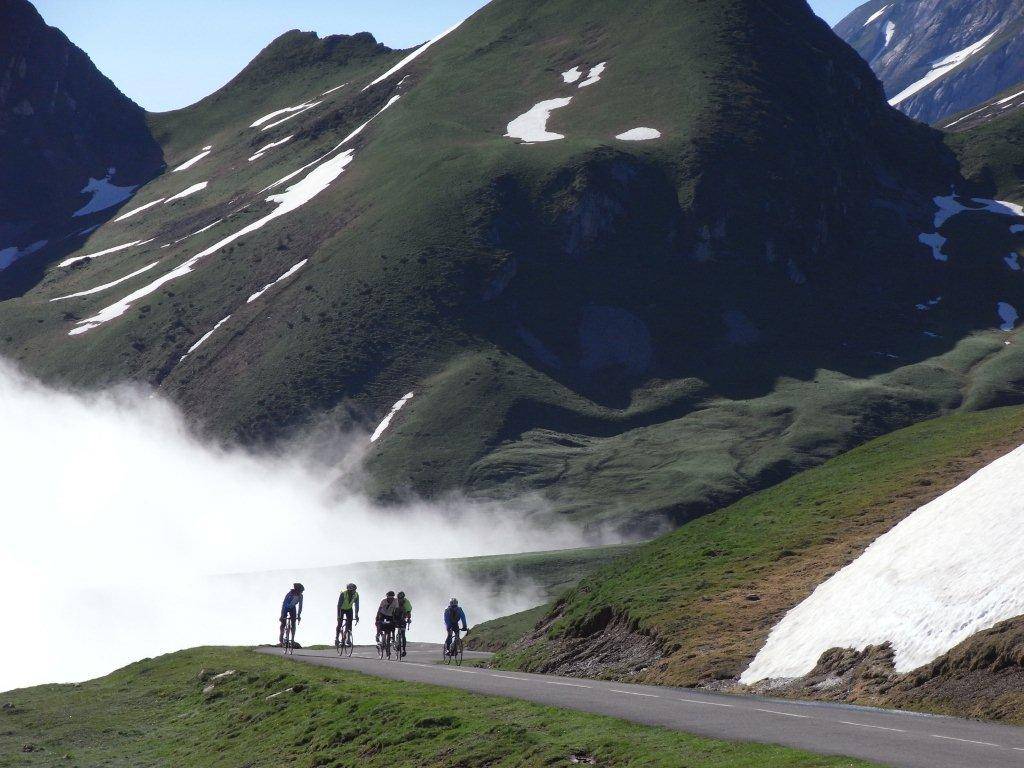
(951, 569)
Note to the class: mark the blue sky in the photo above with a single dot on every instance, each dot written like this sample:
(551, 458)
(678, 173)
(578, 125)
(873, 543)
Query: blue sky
(170, 53)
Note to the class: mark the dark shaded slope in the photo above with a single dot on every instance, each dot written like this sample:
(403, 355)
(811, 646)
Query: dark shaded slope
(61, 123)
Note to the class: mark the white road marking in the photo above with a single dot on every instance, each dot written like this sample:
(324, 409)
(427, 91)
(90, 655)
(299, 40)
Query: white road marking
(965, 741)
(865, 725)
(784, 714)
(509, 677)
(705, 703)
(568, 685)
(634, 693)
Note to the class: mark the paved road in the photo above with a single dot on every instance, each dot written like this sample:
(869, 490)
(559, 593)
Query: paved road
(890, 737)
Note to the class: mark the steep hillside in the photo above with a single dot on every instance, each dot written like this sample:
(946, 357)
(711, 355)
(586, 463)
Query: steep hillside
(939, 57)
(637, 260)
(695, 606)
(1004, 104)
(74, 146)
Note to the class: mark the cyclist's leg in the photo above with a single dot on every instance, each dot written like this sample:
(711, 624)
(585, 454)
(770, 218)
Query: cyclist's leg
(280, 635)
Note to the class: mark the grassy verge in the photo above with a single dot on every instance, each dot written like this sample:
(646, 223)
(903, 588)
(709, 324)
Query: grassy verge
(271, 712)
(710, 592)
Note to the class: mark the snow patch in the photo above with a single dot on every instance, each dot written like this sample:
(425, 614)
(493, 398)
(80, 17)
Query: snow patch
(571, 76)
(140, 209)
(951, 569)
(111, 284)
(1016, 229)
(332, 90)
(413, 56)
(264, 149)
(1008, 99)
(291, 199)
(296, 113)
(532, 126)
(104, 194)
(115, 249)
(935, 241)
(1012, 262)
(594, 75)
(387, 419)
(203, 338)
(193, 160)
(890, 31)
(188, 191)
(640, 134)
(1008, 314)
(942, 67)
(10, 255)
(877, 14)
(277, 113)
(268, 286)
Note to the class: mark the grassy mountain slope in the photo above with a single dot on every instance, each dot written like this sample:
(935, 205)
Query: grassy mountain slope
(700, 601)
(634, 331)
(171, 711)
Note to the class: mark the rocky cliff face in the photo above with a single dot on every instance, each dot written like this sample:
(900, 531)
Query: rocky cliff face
(939, 57)
(63, 127)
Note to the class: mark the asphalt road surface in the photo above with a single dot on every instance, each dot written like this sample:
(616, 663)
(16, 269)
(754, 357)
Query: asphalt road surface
(890, 737)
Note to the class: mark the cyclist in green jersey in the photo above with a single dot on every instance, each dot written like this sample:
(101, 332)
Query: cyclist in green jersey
(348, 605)
(404, 616)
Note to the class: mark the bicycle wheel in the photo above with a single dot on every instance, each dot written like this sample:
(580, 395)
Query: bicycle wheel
(459, 648)
(380, 647)
(349, 646)
(399, 644)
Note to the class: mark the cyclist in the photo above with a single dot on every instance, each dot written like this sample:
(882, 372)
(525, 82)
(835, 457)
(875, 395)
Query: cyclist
(387, 614)
(291, 607)
(453, 615)
(404, 617)
(348, 601)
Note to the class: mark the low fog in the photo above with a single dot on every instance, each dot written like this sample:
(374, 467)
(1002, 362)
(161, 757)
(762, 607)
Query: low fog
(123, 534)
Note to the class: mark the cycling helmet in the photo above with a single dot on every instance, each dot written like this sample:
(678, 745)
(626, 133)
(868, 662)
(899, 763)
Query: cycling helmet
(453, 602)
(350, 587)
(390, 593)
(401, 595)
(298, 587)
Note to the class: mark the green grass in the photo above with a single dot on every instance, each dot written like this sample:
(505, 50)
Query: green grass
(692, 589)
(156, 713)
(499, 633)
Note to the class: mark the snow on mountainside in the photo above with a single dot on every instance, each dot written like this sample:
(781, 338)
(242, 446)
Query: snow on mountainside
(951, 569)
(73, 145)
(939, 57)
(1002, 105)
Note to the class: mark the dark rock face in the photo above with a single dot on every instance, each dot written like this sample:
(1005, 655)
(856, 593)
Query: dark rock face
(904, 40)
(62, 123)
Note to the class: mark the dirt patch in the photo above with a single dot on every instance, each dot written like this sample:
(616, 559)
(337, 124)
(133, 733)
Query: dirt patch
(609, 646)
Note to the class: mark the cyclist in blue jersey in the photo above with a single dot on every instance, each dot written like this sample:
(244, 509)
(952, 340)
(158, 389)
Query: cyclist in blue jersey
(291, 607)
(453, 615)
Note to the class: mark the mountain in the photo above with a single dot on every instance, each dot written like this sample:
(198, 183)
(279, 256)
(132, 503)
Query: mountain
(939, 57)
(73, 143)
(635, 261)
(999, 106)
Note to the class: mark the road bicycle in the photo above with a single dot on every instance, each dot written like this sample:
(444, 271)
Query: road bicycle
(400, 643)
(345, 645)
(454, 653)
(288, 640)
(385, 641)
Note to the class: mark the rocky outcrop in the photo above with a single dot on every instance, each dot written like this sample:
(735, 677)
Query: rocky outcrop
(907, 42)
